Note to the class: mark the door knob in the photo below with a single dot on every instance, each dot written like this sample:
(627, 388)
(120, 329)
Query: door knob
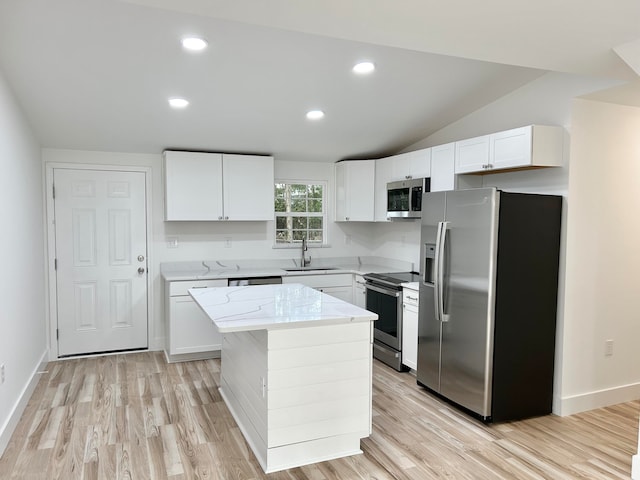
(141, 258)
(141, 270)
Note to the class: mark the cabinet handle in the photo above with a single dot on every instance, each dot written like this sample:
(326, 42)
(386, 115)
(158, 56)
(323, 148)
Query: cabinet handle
(226, 218)
(220, 218)
(346, 218)
(411, 298)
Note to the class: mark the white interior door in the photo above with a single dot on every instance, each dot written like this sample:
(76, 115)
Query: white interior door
(101, 257)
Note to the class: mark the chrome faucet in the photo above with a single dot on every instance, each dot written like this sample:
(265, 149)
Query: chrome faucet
(303, 260)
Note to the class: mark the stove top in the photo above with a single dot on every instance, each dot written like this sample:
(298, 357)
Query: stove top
(393, 279)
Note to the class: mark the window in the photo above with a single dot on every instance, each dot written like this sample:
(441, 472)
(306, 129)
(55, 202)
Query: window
(300, 213)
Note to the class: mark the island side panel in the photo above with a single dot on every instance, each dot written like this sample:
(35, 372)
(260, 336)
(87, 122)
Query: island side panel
(243, 386)
(319, 393)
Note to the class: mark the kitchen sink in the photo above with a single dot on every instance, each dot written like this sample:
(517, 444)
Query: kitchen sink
(307, 269)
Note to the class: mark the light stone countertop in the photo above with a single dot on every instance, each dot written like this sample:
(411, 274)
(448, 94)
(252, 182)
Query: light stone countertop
(411, 285)
(219, 269)
(266, 307)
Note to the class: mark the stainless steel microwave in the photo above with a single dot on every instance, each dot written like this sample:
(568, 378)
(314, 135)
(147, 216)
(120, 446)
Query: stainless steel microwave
(404, 198)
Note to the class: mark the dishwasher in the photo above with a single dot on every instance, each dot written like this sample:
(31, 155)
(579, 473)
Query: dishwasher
(240, 282)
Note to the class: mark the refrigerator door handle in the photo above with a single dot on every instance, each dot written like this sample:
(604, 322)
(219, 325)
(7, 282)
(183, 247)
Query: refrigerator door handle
(439, 271)
(443, 242)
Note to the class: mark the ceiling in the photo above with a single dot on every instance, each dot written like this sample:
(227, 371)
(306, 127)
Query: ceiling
(96, 74)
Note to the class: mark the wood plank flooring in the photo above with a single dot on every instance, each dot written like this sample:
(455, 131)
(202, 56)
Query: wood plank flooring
(135, 417)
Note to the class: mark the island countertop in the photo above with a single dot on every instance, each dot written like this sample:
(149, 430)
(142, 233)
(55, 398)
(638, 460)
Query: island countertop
(268, 307)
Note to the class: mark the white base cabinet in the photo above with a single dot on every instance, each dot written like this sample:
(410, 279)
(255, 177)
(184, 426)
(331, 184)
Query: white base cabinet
(191, 333)
(410, 302)
(359, 292)
(300, 395)
(339, 285)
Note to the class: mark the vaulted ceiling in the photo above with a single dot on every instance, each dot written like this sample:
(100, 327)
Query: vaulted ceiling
(97, 74)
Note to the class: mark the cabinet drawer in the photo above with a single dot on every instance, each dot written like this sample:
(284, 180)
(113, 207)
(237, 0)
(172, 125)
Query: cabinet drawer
(318, 281)
(410, 297)
(180, 288)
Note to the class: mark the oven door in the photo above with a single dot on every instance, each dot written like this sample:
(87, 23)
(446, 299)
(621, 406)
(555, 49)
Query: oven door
(386, 303)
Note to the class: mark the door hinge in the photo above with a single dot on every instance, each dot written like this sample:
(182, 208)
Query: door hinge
(55, 264)
(53, 189)
(57, 334)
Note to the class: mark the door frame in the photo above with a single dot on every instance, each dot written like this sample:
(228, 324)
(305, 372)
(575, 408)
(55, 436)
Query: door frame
(51, 287)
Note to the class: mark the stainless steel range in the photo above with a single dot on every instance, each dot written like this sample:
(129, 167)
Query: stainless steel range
(384, 297)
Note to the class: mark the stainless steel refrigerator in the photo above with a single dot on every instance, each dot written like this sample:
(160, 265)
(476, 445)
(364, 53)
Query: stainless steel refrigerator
(488, 294)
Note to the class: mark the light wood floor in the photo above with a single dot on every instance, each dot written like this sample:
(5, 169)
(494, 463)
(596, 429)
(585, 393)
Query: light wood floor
(135, 417)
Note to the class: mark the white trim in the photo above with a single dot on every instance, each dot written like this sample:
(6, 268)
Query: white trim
(23, 399)
(153, 342)
(597, 399)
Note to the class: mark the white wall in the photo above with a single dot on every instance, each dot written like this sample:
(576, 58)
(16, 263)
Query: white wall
(603, 235)
(22, 292)
(206, 240)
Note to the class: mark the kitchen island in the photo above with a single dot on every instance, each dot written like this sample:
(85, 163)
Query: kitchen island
(296, 370)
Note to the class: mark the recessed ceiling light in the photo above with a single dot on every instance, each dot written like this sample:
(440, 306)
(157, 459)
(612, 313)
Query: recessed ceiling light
(364, 67)
(315, 114)
(178, 102)
(195, 44)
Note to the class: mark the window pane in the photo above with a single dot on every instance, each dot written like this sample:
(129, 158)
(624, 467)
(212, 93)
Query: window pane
(279, 190)
(315, 205)
(315, 191)
(283, 236)
(281, 223)
(315, 222)
(298, 235)
(299, 223)
(315, 236)
(298, 191)
(298, 205)
(280, 205)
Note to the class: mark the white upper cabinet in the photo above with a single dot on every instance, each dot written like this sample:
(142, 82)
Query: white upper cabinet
(193, 186)
(520, 148)
(215, 187)
(384, 175)
(472, 154)
(248, 187)
(355, 182)
(443, 167)
(416, 164)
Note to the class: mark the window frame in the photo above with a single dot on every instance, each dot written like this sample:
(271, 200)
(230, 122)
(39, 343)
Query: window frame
(324, 214)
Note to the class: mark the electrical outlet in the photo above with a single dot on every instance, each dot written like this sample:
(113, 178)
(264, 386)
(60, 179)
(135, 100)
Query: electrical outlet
(347, 239)
(608, 348)
(1, 374)
(227, 242)
(172, 242)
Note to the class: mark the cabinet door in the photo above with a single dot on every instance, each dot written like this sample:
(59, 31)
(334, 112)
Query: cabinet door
(511, 148)
(384, 175)
(193, 186)
(410, 328)
(343, 293)
(472, 155)
(416, 164)
(248, 187)
(355, 181)
(443, 168)
(359, 292)
(190, 329)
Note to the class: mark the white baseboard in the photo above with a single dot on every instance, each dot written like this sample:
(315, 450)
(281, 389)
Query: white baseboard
(635, 466)
(16, 412)
(597, 399)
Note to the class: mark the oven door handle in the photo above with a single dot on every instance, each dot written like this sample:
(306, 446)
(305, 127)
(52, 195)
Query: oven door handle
(385, 291)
